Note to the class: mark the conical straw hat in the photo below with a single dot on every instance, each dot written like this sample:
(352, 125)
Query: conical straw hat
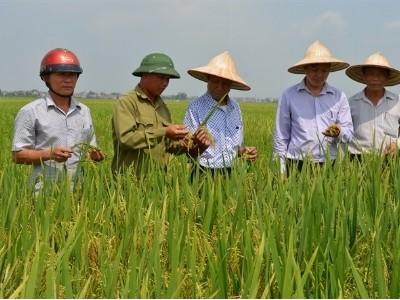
(374, 60)
(222, 66)
(318, 53)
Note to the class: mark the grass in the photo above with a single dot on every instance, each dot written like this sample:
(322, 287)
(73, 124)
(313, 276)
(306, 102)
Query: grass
(333, 233)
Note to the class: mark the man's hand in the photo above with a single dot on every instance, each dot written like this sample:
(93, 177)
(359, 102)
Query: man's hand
(202, 139)
(332, 131)
(96, 155)
(197, 143)
(60, 153)
(391, 149)
(176, 131)
(249, 153)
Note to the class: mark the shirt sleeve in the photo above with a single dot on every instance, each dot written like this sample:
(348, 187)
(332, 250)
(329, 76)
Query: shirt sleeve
(397, 141)
(345, 121)
(24, 131)
(135, 132)
(92, 136)
(241, 125)
(282, 128)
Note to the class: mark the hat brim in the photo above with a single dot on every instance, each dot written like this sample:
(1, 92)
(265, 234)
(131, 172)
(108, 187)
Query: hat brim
(167, 71)
(356, 73)
(336, 64)
(203, 74)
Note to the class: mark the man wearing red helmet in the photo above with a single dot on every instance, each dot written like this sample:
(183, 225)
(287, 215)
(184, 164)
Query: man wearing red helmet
(143, 133)
(49, 132)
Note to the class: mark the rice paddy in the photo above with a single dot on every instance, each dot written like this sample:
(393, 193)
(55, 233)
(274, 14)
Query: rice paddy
(331, 232)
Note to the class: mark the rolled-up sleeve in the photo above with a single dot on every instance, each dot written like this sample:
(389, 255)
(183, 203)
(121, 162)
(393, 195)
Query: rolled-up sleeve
(135, 132)
(24, 131)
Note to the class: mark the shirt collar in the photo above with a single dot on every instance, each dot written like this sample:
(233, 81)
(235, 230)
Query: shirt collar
(229, 104)
(139, 91)
(327, 89)
(142, 95)
(361, 96)
(390, 96)
(50, 102)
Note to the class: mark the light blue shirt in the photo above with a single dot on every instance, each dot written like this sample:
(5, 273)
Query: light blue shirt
(41, 124)
(225, 126)
(301, 119)
(375, 127)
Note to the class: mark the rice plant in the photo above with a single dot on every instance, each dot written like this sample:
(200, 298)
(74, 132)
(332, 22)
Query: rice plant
(326, 233)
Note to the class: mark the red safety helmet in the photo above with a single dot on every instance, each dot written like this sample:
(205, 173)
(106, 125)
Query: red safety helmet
(60, 60)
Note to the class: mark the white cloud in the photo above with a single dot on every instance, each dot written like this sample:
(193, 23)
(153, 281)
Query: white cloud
(264, 37)
(393, 25)
(330, 19)
(113, 21)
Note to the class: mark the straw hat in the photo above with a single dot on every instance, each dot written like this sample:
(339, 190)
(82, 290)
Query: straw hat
(222, 66)
(318, 53)
(374, 60)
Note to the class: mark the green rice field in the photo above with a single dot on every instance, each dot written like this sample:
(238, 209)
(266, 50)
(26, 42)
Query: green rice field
(327, 233)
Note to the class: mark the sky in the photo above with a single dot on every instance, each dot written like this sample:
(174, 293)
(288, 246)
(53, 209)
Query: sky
(265, 37)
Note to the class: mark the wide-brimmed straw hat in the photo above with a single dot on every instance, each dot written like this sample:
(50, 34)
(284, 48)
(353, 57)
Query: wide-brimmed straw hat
(222, 66)
(318, 53)
(374, 60)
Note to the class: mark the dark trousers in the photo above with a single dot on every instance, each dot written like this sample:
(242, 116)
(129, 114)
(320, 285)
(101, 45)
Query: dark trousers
(203, 171)
(355, 157)
(360, 158)
(292, 164)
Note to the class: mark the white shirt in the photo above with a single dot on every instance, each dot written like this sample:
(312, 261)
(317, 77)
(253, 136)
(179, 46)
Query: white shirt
(374, 126)
(41, 124)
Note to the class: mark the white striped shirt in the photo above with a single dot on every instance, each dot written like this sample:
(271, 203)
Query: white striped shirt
(41, 124)
(375, 127)
(225, 126)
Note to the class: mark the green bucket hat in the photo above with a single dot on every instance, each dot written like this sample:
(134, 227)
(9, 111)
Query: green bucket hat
(157, 63)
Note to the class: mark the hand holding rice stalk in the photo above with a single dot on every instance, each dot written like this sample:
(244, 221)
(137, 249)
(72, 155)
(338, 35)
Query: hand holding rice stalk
(332, 130)
(190, 136)
(94, 153)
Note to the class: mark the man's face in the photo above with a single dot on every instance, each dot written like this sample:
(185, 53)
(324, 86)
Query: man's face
(154, 84)
(375, 78)
(63, 83)
(316, 75)
(217, 86)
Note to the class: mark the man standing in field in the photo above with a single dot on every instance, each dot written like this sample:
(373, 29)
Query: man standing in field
(51, 132)
(142, 131)
(313, 117)
(375, 111)
(220, 114)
